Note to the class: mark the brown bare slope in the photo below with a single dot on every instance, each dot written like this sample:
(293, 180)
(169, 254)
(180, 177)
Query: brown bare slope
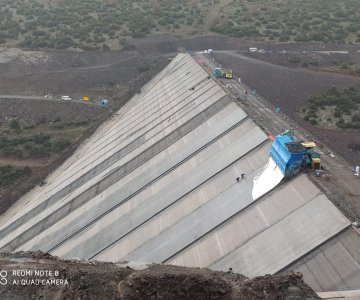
(289, 88)
(93, 280)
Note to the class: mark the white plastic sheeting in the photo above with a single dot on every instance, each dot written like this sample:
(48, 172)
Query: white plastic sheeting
(267, 180)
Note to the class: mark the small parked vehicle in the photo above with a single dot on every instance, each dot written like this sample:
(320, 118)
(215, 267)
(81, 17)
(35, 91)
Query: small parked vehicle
(66, 98)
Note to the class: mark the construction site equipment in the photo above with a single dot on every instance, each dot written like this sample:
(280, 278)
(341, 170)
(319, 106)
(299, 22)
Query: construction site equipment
(290, 132)
(313, 158)
(219, 73)
(293, 157)
(229, 74)
(85, 98)
(356, 170)
(308, 144)
(66, 98)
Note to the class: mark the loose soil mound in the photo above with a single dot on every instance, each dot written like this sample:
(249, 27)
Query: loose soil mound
(94, 280)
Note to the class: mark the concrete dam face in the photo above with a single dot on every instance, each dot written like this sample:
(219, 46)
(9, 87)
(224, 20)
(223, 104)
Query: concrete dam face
(157, 183)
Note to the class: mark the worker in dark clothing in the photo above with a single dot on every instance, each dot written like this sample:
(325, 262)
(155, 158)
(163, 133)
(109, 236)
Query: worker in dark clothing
(238, 179)
(242, 176)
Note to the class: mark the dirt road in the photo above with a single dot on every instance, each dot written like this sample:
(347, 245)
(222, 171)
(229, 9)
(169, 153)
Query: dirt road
(22, 97)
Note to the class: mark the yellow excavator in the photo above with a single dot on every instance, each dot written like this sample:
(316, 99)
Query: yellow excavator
(228, 74)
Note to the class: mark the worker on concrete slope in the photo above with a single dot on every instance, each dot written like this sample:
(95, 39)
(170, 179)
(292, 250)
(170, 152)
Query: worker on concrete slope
(238, 179)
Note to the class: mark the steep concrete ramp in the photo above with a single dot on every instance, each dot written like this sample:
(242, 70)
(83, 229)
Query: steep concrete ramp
(210, 141)
(339, 261)
(157, 183)
(249, 222)
(285, 242)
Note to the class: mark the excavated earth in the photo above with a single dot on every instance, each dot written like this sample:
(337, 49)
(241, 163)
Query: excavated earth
(41, 276)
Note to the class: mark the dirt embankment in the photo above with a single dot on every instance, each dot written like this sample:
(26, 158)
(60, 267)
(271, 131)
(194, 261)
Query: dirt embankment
(289, 89)
(94, 280)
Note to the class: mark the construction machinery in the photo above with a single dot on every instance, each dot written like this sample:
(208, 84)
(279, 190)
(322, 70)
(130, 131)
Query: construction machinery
(294, 156)
(228, 74)
(312, 158)
(219, 73)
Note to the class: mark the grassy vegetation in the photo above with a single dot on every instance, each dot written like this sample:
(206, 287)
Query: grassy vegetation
(338, 107)
(94, 24)
(43, 140)
(292, 20)
(89, 24)
(10, 174)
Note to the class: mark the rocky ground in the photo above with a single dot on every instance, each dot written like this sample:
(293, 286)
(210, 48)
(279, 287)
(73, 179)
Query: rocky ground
(42, 276)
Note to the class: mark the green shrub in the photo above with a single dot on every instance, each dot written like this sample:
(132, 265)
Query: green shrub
(7, 150)
(59, 144)
(346, 102)
(284, 38)
(356, 118)
(294, 60)
(305, 64)
(143, 68)
(9, 174)
(40, 138)
(14, 124)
